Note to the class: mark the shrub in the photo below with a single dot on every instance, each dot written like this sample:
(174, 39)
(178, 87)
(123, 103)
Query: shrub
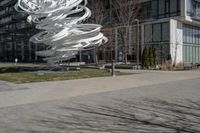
(151, 57)
(154, 56)
(145, 60)
(169, 57)
(148, 57)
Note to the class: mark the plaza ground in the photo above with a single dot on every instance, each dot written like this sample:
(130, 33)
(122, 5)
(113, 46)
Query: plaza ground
(73, 105)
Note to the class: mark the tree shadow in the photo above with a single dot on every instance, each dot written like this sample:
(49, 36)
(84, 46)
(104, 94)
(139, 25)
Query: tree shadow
(152, 116)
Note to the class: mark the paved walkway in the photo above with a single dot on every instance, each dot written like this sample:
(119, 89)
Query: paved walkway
(49, 91)
(7, 86)
(159, 102)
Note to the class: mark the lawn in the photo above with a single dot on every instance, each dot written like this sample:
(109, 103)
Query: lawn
(2, 65)
(28, 77)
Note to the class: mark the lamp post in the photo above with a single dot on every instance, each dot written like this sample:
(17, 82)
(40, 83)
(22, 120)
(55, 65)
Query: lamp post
(138, 42)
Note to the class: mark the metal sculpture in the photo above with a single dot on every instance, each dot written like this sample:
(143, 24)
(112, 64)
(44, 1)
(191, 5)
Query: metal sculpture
(61, 22)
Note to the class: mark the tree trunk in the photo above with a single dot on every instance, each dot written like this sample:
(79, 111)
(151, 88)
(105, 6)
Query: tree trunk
(125, 58)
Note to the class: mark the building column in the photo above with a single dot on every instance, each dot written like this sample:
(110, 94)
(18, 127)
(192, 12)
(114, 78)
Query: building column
(176, 41)
(184, 7)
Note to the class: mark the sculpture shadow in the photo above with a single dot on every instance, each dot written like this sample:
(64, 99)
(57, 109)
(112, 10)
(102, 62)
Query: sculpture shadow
(152, 116)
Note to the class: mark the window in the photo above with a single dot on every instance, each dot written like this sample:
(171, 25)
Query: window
(184, 34)
(157, 32)
(196, 35)
(161, 8)
(190, 10)
(191, 34)
(148, 33)
(197, 54)
(173, 7)
(165, 32)
(146, 10)
(185, 55)
(154, 8)
(165, 8)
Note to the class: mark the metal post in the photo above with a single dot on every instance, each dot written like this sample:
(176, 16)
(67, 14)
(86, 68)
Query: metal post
(113, 68)
(80, 56)
(116, 45)
(22, 51)
(94, 55)
(138, 43)
(36, 49)
(29, 50)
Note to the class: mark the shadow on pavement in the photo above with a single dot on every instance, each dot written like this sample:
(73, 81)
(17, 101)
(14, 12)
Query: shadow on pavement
(155, 116)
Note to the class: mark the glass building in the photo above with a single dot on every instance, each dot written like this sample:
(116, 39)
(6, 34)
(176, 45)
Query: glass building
(172, 27)
(14, 35)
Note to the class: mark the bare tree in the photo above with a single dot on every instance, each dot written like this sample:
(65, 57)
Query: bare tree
(98, 11)
(98, 17)
(126, 11)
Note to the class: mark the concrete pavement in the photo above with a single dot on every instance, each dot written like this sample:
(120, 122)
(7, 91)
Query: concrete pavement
(7, 86)
(49, 91)
(156, 102)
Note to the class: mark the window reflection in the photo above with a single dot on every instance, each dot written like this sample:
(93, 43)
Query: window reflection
(191, 44)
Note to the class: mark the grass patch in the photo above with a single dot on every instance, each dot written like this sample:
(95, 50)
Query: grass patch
(28, 77)
(20, 67)
(3, 65)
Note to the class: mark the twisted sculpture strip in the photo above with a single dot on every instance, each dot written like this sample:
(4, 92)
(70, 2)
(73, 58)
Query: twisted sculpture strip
(60, 22)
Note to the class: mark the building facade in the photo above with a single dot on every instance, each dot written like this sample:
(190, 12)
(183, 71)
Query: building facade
(172, 27)
(169, 26)
(14, 35)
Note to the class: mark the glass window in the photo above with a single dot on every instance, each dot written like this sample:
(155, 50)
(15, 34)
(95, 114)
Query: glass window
(185, 53)
(157, 32)
(193, 35)
(167, 7)
(165, 32)
(154, 8)
(189, 7)
(148, 33)
(196, 35)
(191, 58)
(197, 54)
(185, 32)
(146, 10)
(173, 7)
(190, 34)
(161, 8)
(193, 54)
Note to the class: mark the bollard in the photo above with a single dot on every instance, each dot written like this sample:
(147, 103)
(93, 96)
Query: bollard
(113, 68)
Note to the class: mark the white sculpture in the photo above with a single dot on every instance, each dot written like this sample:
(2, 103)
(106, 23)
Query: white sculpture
(63, 32)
